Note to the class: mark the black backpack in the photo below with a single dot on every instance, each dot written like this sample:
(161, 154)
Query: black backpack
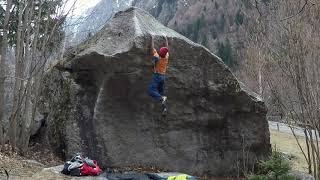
(72, 172)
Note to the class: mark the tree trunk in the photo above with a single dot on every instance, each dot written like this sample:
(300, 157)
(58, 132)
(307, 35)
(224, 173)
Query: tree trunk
(18, 82)
(2, 103)
(3, 68)
(25, 121)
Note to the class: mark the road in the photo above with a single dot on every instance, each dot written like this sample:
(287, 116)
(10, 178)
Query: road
(284, 128)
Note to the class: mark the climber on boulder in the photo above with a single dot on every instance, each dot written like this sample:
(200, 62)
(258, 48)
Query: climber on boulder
(160, 61)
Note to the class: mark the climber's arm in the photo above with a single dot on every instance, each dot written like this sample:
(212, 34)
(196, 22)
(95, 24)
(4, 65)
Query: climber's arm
(152, 44)
(167, 44)
(155, 56)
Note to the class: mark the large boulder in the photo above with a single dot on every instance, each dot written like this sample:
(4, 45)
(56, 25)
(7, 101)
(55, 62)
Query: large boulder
(95, 101)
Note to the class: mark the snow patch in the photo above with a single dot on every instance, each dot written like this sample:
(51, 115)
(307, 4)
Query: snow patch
(129, 2)
(185, 2)
(118, 5)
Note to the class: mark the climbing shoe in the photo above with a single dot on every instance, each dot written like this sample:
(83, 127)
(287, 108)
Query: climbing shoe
(164, 100)
(164, 111)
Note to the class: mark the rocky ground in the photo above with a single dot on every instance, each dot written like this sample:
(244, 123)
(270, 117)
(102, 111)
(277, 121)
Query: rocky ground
(39, 163)
(36, 163)
(15, 165)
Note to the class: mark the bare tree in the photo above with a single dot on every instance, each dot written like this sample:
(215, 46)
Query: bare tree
(35, 37)
(287, 46)
(4, 49)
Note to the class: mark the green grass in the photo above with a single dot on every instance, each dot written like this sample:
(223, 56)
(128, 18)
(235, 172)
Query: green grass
(287, 144)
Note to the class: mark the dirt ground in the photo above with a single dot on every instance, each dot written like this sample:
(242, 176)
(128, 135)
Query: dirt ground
(38, 158)
(30, 165)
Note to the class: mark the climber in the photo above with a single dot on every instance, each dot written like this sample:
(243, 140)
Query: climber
(160, 62)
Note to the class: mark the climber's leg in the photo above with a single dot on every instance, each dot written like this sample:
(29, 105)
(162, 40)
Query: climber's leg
(153, 90)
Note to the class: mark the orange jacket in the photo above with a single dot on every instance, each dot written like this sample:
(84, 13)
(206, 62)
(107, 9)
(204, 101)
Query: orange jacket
(161, 63)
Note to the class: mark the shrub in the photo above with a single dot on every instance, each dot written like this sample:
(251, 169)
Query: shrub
(275, 168)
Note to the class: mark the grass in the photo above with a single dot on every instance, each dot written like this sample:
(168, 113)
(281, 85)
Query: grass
(287, 144)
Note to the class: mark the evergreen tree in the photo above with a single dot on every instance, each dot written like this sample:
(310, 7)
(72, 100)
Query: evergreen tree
(225, 52)
(239, 18)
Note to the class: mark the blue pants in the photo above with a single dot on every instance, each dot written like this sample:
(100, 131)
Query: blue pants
(156, 86)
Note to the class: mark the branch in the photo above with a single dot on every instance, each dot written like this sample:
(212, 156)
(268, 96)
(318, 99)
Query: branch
(7, 173)
(13, 77)
(257, 7)
(301, 10)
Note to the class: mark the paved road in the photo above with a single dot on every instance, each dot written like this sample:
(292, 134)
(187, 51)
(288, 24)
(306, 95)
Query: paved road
(285, 128)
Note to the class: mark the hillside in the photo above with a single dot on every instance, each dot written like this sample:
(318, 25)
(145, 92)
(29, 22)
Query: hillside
(217, 24)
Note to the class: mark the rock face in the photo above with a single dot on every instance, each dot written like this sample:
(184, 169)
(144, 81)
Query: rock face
(95, 101)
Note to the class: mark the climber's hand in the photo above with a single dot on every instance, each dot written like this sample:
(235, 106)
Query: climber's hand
(152, 42)
(167, 43)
